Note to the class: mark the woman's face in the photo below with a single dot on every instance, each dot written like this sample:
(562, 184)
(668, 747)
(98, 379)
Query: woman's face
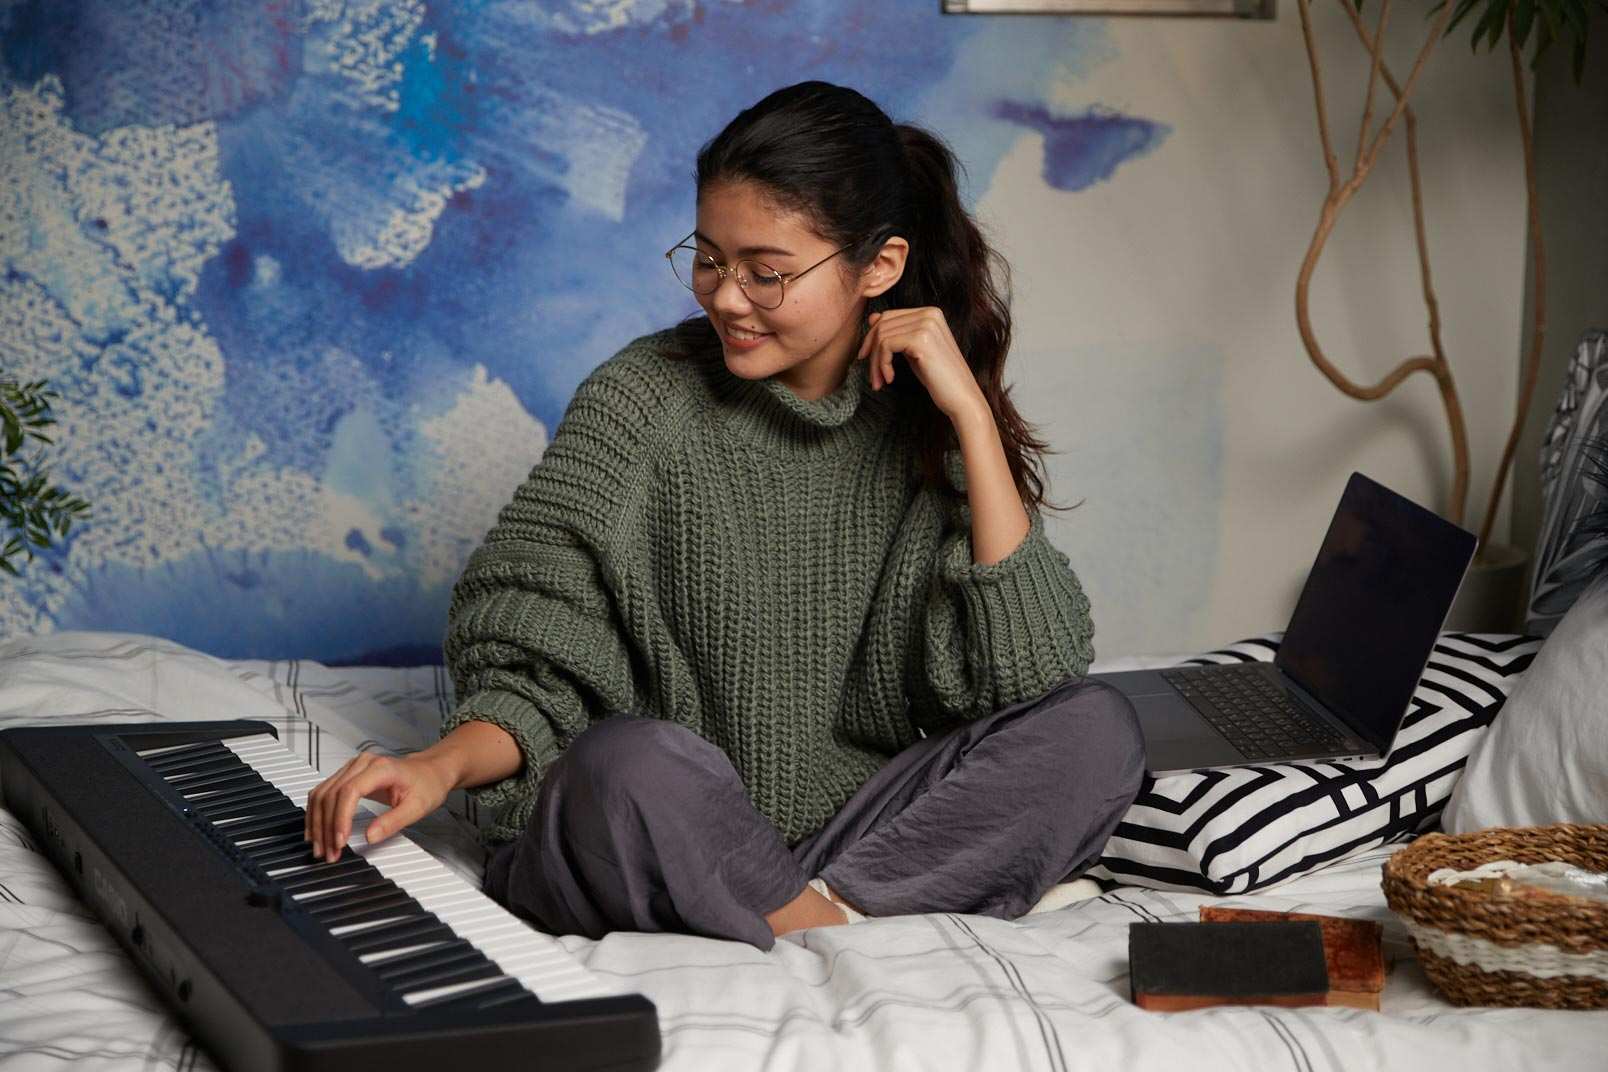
(809, 340)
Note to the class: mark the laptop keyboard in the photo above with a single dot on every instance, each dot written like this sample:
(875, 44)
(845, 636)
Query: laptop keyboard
(1248, 707)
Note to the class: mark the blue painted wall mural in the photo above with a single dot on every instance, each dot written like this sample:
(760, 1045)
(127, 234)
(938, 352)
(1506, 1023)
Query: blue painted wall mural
(314, 278)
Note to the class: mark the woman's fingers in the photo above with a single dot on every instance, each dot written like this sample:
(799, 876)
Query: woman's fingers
(379, 780)
(326, 825)
(411, 786)
(887, 343)
(407, 809)
(318, 803)
(895, 331)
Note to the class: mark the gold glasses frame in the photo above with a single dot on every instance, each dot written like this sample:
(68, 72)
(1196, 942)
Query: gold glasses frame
(755, 268)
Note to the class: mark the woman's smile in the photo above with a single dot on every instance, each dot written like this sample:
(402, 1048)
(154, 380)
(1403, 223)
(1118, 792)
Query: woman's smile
(743, 338)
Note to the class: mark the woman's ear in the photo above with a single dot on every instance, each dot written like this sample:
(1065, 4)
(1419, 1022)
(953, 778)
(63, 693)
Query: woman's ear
(885, 269)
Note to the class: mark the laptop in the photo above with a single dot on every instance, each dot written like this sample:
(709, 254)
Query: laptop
(1341, 683)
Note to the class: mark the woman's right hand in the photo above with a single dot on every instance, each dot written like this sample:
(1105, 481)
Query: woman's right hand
(413, 786)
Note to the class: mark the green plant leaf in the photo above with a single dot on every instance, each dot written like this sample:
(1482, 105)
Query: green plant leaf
(1575, 14)
(1549, 21)
(1459, 14)
(1523, 19)
(1491, 24)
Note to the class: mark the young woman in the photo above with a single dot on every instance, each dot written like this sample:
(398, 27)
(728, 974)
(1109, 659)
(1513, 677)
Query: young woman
(772, 637)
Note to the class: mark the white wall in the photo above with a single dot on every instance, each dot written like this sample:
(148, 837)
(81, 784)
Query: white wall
(1156, 337)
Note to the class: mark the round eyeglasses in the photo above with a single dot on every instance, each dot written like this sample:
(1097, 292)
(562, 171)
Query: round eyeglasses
(763, 285)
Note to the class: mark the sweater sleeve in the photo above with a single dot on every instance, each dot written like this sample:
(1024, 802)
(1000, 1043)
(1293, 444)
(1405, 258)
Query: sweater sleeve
(997, 634)
(534, 639)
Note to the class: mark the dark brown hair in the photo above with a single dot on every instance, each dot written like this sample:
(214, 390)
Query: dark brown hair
(833, 156)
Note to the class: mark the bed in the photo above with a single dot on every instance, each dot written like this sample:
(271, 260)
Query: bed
(1047, 991)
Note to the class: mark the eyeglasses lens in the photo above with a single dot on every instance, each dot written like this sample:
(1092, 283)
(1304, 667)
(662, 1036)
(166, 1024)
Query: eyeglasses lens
(701, 274)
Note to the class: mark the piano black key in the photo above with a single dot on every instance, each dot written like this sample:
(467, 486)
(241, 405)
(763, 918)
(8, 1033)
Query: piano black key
(217, 781)
(206, 807)
(454, 993)
(244, 781)
(453, 955)
(495, 994)
(273, 809)
(365, 907)
(380, 920)
(276, 850)
(149, 754)
(315, 873)
(226, 816)
(405, 932)
(284, 823)
(327, 899)
(226, 764)
(448, 975)
(290, 867)
(336, 891)
(187, 757)
(421, 983)
(393, 954)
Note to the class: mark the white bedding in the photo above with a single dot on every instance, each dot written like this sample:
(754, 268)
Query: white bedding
(933, 991)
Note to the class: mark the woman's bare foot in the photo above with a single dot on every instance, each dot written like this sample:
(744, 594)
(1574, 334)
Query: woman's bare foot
(808, 909)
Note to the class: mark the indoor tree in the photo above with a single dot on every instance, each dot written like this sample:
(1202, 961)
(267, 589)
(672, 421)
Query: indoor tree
(1521, 23)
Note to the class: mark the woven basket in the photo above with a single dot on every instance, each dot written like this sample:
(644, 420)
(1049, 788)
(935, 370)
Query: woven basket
(1480, 948)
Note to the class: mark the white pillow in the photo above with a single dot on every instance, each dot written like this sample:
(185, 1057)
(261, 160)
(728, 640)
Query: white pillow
(1545, 759)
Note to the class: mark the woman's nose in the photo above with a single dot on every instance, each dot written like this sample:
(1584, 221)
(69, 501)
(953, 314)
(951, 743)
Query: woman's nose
(729, 296)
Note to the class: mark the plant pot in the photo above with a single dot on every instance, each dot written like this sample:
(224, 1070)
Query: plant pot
(1492, 597)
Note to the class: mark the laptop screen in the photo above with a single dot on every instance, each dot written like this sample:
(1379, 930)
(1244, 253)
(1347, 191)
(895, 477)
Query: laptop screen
(1373, 605)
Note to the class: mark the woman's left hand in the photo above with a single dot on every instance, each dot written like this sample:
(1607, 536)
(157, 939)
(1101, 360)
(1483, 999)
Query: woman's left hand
(929, 347)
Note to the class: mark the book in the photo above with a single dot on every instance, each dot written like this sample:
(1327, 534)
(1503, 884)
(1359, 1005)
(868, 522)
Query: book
(1177, 966)
(1353, 950)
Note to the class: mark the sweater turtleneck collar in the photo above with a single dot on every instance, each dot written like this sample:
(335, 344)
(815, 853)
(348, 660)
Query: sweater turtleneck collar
(830, 410)
(768, 412)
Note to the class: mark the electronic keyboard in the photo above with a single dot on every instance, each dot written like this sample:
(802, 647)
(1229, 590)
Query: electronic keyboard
(186, 838)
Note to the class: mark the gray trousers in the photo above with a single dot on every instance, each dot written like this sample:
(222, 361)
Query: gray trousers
(642, 825)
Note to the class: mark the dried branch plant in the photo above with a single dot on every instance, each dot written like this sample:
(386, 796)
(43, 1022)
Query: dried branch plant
(1557, 18)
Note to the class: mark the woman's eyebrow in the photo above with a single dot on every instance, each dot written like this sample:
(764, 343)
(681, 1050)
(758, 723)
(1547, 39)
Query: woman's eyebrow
(746, 251)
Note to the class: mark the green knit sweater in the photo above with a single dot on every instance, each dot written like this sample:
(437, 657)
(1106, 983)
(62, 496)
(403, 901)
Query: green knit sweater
(765, 570)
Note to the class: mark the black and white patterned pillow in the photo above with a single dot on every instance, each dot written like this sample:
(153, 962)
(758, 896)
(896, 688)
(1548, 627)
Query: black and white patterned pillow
(1245, 828)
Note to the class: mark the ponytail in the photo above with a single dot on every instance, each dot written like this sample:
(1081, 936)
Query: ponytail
(952, 266)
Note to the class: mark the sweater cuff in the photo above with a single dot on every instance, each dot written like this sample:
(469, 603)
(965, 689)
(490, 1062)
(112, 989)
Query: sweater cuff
(522, 721)
(1026, 615)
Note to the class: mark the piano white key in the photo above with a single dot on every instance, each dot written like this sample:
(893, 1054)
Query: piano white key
(407, 868)
(454, 902)
(491, 930)
(461, 912)
(538, 961)
(514, 963)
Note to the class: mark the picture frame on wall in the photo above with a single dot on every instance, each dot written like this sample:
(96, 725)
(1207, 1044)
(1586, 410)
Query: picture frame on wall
(1240, 9)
